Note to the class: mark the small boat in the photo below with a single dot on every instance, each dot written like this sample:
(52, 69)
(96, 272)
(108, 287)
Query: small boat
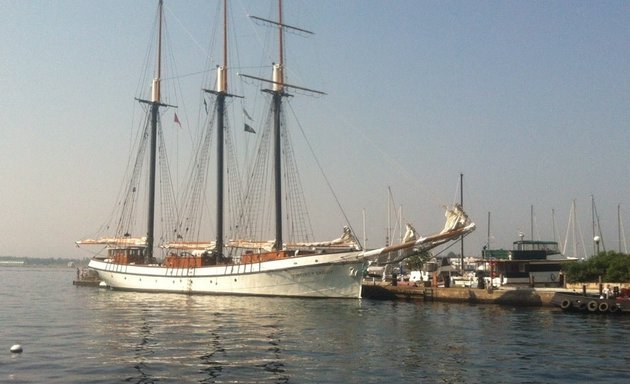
(588, 303)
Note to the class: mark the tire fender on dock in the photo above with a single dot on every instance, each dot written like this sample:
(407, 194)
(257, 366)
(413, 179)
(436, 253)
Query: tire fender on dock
(592, 305)
(603, 306)
(565, 304)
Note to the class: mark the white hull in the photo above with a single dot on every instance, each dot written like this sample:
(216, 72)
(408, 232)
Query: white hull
(326, 275)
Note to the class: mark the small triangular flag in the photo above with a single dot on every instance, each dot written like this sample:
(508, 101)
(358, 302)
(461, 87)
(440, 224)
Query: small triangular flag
(249, 129)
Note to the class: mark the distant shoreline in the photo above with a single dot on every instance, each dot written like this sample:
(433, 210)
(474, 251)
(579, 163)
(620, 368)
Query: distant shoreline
(14, 261)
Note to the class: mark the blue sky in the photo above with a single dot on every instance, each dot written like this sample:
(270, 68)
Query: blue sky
(529, 100)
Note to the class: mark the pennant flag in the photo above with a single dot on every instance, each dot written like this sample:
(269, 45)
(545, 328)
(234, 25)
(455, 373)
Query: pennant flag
(205, 105)
(247, 114)
(249, 129)
(177, 120)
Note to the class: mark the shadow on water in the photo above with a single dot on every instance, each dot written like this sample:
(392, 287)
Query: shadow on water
(142, 352)
(212, 366)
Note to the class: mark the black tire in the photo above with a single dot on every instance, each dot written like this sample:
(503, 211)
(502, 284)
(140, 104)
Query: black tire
(592, 306)
(566, 304)
(603, 306)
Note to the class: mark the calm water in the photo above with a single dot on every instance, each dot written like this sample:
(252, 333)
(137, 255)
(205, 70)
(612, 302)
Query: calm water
(88, 335)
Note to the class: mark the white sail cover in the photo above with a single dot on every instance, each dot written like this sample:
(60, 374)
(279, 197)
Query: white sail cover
(457, 224)
(115, 241)
(456, 218)
(347, 240)
(252, 244)
(190, 246)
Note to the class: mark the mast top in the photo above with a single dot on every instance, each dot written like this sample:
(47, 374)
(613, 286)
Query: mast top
(155, 91)
(222, 84)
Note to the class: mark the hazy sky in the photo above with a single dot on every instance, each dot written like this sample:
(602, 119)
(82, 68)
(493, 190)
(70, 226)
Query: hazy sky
(530, 100)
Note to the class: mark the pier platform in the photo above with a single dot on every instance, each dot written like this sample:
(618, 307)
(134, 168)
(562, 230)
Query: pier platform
(86, 282)
(517, 296)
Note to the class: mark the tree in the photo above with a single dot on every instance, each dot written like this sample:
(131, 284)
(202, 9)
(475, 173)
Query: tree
(610, 266)
(415, 262)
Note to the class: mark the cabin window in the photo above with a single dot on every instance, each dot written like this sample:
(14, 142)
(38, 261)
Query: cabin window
(545, 267)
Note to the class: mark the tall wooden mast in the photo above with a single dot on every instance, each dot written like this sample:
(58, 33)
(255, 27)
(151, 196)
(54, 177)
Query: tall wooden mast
(221, 93)
(277, 91)
(155, 114)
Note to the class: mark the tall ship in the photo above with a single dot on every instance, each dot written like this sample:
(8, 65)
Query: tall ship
(181, 261)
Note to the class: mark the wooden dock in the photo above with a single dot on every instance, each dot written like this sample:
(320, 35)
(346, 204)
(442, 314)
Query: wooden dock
(518, 296)
(86, 278)
(86, 282)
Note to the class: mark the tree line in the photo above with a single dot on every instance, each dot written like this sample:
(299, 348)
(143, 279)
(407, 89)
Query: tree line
(610, 266)
(35, 261)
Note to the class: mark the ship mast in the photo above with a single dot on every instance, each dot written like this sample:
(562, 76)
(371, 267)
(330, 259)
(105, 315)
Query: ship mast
(277, 93)
(155, 113)
(221, 93)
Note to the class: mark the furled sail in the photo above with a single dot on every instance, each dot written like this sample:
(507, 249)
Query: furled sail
(115, 241)
(190, 245)
(346, 241)
(457, 224)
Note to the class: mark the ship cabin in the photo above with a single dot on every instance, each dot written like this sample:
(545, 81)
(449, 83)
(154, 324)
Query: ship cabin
(127, 255)
(530, 262)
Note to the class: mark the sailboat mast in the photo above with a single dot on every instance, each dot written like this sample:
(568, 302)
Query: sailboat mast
(575, 251)
(280, 38)
(593, 222)
(225, 45)
(277, 105)
(155, 112)
(221, 94)
(461, 202)
(278, 93)
(619, 225)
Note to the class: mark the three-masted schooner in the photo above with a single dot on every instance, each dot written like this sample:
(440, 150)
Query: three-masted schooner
(271, 268)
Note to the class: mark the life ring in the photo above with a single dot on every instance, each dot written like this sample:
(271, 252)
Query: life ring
(603, 306)
(592, 306)
(613, 309)
(553, 277)
(566, 304)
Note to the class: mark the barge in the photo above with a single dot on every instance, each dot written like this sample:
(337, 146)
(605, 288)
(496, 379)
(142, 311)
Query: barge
(613, 302)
